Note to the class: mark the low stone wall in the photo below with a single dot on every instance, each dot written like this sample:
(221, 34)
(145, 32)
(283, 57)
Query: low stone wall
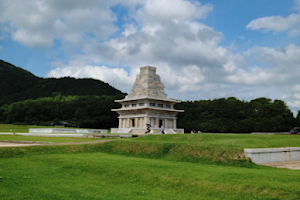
(269, 155)
(65, 130)
(51, 135)
(179, 131)
(114, 130)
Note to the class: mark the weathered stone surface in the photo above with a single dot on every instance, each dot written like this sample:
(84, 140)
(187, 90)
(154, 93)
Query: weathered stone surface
(148, 83)
(147, 103)
(270, 155)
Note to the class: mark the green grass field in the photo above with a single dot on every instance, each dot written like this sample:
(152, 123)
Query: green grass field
(25, 128)
(20, 138)
(106, 176)
(227, 140)
(18, 128)
(199, 166)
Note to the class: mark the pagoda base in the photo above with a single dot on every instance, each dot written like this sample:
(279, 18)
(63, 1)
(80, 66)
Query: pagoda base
(143, 130)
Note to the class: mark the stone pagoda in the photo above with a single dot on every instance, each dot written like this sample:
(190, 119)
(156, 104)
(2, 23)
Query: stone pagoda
(147, 103)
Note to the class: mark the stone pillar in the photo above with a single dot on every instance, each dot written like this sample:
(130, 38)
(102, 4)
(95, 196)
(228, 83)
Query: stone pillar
(156, 122)
(146, 121)
(166, 125)
(174, 124)
(141, 122)
(127, 123)
(120, 123)
(170, 123)
(136, 122)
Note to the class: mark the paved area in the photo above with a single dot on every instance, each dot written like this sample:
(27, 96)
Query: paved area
(289, 165)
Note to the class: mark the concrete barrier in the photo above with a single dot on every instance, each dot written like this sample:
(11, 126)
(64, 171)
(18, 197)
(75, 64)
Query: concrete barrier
(52, 135)
(65, 130)
(269, 155)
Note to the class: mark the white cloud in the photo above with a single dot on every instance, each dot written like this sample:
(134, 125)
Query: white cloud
(186, 52)
(157, 11)
(280, 67)
(168, 34)
(291, 23)
(36, 23)
(275, 23)
(116, 77)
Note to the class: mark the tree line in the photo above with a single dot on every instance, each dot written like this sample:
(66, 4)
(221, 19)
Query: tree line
(83, 111)
(235, 116)
(219, 115)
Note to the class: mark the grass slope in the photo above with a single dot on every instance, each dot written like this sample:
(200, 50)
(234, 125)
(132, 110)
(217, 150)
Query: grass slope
(227, 140)
(105, 176)
(151, 167)
(19, 138)
(226, 149)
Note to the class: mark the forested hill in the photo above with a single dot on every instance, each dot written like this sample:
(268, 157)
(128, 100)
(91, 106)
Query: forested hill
(17, 84)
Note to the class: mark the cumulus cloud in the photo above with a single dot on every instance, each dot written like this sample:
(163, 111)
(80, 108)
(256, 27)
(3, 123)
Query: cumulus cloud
(278, 66)
(277, 24)
(36, 23)
(291, 23)
(277, 74)
(168, 34)
(173, 40)
(109, 75)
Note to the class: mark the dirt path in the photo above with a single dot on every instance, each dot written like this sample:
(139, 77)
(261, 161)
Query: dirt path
(289, 165)
(13, 144)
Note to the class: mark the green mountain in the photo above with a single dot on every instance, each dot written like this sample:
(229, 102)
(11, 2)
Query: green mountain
(17, 84)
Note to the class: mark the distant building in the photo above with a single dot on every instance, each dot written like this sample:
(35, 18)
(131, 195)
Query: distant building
(147, 103)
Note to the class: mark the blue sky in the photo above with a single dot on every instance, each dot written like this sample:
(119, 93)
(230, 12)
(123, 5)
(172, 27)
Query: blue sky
(202, 49)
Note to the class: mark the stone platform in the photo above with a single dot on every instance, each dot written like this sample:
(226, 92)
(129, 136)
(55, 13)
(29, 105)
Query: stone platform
(273, 155)
(142, 131)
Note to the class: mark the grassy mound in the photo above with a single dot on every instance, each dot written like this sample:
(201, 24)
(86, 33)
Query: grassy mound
(146, 168)
(226, 149)
(105, 176)
(178, 152)
(146, 149)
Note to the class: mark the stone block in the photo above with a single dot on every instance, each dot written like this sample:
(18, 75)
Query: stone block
(277, 156)
(294, 153)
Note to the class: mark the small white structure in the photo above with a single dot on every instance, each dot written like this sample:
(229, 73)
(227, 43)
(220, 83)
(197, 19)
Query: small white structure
(65, 130)
(147, 103)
